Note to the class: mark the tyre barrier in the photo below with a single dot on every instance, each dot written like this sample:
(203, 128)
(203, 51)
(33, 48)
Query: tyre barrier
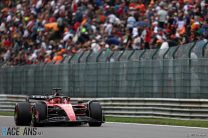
(134, 107)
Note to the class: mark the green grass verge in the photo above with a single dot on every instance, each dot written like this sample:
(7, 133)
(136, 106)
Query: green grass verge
(7, 113)
(160, 121)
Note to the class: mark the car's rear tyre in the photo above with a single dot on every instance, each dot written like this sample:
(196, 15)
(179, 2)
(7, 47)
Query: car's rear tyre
(39, 113)
(22, 114)
(95, 112)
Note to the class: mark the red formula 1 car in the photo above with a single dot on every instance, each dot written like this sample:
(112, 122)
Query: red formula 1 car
(57, 110)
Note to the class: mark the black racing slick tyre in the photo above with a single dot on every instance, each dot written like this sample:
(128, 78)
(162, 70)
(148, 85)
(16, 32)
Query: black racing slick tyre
(22, 114)
(39, 113)
(95, 112)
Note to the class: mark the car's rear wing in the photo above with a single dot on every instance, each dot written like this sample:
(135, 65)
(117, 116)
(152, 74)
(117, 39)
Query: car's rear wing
(36, 97)
(56, 90)
(43, 97)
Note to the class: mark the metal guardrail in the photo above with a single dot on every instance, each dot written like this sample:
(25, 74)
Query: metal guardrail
(135, 107)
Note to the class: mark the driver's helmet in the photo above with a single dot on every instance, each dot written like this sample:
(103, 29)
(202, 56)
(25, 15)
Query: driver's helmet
(57, 100)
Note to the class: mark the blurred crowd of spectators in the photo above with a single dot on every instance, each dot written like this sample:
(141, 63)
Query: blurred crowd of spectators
(35, 31)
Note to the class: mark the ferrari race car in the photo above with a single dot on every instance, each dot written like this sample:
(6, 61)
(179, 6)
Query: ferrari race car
(57, 110)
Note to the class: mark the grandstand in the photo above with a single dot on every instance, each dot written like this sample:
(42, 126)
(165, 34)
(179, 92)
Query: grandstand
(49, 31)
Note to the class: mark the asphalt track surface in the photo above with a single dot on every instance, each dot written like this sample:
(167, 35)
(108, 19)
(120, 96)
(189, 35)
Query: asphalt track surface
(111, 130)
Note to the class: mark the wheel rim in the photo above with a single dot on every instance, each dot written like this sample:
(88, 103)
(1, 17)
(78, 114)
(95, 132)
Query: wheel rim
(33, 120)
(33, 116)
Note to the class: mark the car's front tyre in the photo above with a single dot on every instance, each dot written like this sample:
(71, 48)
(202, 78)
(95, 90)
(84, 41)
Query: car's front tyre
(22, 114)
(95, 112)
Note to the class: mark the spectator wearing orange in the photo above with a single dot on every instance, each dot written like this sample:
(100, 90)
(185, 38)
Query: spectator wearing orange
(58, 57)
